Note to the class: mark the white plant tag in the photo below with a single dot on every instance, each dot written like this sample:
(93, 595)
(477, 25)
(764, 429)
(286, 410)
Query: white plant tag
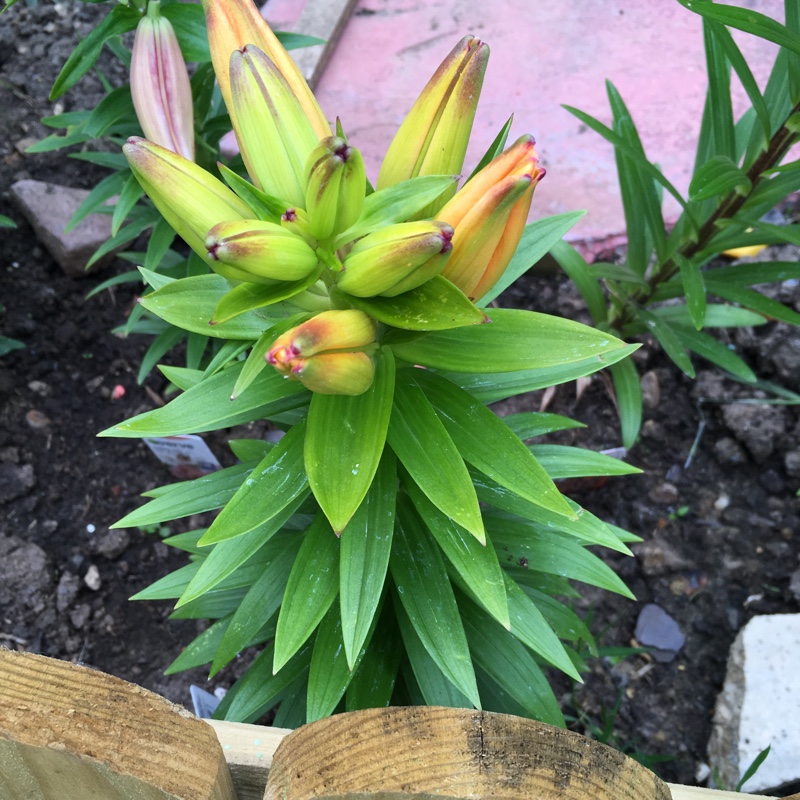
(186, 456)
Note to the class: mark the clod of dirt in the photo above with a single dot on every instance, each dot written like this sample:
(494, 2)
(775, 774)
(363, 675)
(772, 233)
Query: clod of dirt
(112, 544)
(67, 590)
(756, 426)
(25, 575)
(15, 481)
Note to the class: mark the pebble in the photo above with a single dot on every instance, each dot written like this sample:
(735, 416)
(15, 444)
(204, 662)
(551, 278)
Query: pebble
(92, 578)
(112, 544)
(658, 630)
(664, 494)
(651, 390)
(36, 419)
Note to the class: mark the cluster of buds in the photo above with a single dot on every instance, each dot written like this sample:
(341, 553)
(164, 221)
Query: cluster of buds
(314, 187)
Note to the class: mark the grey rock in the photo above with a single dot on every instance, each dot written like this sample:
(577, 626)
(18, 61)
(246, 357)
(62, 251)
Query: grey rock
(112, 544)
(658, 630)
(15, 481)
(26, 579)
(67, 590)
(758, 427)
(755, 707)
(92, 578)
(79, 615)
(48, 207)
(651, 390)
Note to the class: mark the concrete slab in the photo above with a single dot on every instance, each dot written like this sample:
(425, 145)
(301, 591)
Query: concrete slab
(543, 54)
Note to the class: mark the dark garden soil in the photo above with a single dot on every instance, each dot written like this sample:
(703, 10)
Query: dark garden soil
(721, 534)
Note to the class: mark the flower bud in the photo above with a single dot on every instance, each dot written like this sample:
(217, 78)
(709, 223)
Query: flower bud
(396, 259)
(162, 95)
(274, 135)
(190, 199)
(232, 24)
(267, 252)
(326, 353)
(433, 137)
(489, 215)
(336, 185)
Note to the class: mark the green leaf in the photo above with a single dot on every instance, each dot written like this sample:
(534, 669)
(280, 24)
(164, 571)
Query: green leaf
(148, 218)
(475, 563)
(753, 768)
(115, 161)
(170, 586)
(758, 272)
(8, 345)
(719, 175)
(667, 339)
(562, 461)
(722, 134)
(189, 303)
(251, 296)
(495, 148)
(489, 445)
(396, 204)
(113, 108)
(161, 345)
(312, 587)
(694, 288)
(510, 665)
(616, 272)
(208, 406)
(259, 689)
(628, 390)
(718, 315)
(119, 20)
(753, 300)
(522, 545)
(104, 190)
(7, 222)
(160, 241)
(365, 546)
(264, 206)
(53, 142)
(275, 484)
(294, 41)
(745, 19)
(489, 388)
(329, 675)
(183, 499)
(537, 240)
(529, 424)
(201, 650)
(262, 600)
(189, 23)
(345, 440)
(421, 442)
(563, 620)
(716, 352)
(425, 593)
(571, 261)
(515, 340)
(435, 306)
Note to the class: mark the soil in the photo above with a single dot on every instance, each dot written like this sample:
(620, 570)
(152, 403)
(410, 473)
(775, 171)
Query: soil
(721, 529)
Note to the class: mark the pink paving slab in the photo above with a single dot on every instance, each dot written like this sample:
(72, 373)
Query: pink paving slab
(544, 54)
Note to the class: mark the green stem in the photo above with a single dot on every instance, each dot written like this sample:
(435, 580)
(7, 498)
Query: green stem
(781, 141)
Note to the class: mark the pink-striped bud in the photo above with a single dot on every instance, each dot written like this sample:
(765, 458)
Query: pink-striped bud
(162, 95)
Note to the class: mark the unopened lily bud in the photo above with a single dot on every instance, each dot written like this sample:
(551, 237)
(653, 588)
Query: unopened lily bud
(190, 199)
(265, 251)
(396, 259)
(232, 24)
(433, 137)
(327, 353)
(274, 135)
(296, 221)
(489, 215)
(336, 183)
(162, 95)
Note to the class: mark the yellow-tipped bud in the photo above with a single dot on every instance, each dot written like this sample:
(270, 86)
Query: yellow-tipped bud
(190, 199)
(265, 251)
(231, 25)
(396, 259)
(433, 137)
(489, 215)
(327, 353)
(162, 95)
(274, 135)
(336, 186)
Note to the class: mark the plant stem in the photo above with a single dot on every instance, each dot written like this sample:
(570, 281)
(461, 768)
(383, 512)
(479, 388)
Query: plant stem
(781, 141)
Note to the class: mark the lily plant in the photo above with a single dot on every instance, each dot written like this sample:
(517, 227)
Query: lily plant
(401, 543)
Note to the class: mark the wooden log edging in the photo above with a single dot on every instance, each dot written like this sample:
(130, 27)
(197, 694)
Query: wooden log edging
(73, 733)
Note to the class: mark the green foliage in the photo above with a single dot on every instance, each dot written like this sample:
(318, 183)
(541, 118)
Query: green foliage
(738, 177)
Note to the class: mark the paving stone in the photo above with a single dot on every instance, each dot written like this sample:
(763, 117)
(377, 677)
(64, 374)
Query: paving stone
(759, 705)
(49, 207)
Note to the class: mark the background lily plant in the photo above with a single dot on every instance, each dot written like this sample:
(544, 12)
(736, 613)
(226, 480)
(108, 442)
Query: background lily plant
(400, 543)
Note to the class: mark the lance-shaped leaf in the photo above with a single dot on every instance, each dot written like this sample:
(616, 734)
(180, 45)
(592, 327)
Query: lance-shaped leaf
(366, 543)
(276, 482)
(420, 576)
(719, 175)
(311, 589)
(489, 445)
(421, 442)
(477, 564)
(630, 403)
(345, 440)
(515, 340)
(208, 406)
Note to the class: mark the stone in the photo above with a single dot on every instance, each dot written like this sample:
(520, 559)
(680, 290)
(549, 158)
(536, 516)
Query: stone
(48, 207)
(67, 590)
(79, 615)
(658, 557)
(658, 630)
(664, 494)
(15, 481)
(92, 578)
(651, 390)
(757, 426)
(729, 451)
(112, 544)
(757, 706)
(791, 461)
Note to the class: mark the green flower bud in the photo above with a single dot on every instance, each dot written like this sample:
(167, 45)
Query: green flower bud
(262, 250)
(396, 259)
(336, 183)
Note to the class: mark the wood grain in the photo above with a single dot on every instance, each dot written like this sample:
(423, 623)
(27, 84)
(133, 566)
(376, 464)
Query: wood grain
(72, 733)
